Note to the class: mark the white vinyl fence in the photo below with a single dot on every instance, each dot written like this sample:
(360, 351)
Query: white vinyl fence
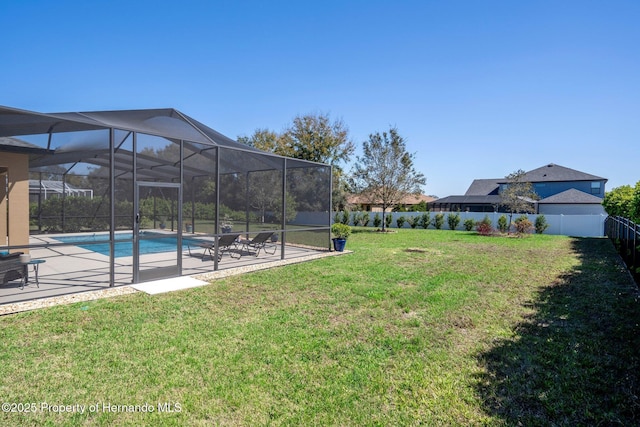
(567, 225)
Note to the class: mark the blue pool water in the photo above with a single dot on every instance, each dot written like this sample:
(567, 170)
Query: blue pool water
(124, 246)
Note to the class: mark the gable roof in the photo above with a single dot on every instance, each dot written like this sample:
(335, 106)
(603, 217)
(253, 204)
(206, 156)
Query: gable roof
(554, 173)
(469, 199)
(572, 196)
(483, 187)
(16, 145)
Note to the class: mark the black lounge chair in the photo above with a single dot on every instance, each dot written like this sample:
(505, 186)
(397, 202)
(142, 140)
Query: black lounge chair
(11, 268)
(227, 243)
(260, 242)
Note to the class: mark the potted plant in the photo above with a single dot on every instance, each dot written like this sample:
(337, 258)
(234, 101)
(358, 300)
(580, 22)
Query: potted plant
(189, 227)
(340, 232)
(226, 225)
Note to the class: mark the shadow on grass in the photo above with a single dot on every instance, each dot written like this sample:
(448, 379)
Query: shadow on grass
(576, 361)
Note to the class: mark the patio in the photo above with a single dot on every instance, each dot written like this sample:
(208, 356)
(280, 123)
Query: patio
(71, 270)
(138, 178)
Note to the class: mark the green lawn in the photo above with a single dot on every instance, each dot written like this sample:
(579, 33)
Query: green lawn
(415, 327)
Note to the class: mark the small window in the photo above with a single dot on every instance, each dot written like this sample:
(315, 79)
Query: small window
(595, 187)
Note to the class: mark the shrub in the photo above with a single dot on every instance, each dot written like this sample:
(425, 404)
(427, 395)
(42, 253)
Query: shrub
(387, 220)
(340, 231)
(356, 217)
(345, 217)
(503, 224)
(469, 223)
(400, 221)
(377, 221)
(425, 220)
(337, 217)
(365, 219)
(523, 225)
(413, 221)
(541, 224)
(484, 227)
(438, 221)
(453, 220)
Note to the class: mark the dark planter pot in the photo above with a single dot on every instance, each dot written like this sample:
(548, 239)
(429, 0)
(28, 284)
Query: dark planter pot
(227, 229)
(338, 244)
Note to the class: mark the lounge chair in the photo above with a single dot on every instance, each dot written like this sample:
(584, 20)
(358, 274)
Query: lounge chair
(11, 268)
(258, 243)
(227, 243)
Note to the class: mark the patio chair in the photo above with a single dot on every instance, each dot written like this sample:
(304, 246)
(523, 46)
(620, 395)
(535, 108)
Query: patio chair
(227, 243)
(258, 243)
(11, 268)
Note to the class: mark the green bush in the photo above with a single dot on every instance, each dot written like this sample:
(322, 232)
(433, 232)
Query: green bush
(453, 220)
(340, 231)
(365, 219)
(425, 220)
(80, 214)
(356, 217)
(469, 223)
(377, 220)
(345, 217)
(413, 221)
(400, 221)
(502, 224)
(438, 221)
(387, 220)
(541, 224)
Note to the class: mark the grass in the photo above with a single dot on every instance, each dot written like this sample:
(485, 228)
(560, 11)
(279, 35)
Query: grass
(415, 327)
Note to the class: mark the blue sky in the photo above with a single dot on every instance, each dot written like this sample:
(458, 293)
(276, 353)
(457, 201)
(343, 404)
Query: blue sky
(478, 89)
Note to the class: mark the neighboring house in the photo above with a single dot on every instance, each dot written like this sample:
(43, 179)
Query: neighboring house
(367, 203)
(40, 190)
(560, 190)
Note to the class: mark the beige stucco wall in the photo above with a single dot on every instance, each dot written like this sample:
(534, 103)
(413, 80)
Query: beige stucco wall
(16, 209)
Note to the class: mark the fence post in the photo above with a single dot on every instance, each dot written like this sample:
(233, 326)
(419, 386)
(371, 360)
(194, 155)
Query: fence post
(634, 262)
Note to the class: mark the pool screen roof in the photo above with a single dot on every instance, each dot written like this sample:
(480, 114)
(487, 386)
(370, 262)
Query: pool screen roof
(166, 122)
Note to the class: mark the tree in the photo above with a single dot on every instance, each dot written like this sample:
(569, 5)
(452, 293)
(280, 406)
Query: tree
(317, 139)
(517, 195)
(385, 171)
(635, 204)
(312, 137)
(618, 202)
(263, 139)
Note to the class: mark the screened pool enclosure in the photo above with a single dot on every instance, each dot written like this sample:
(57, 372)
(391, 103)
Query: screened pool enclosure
(144, 191)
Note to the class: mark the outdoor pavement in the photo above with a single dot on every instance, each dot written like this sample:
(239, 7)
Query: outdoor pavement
(71, 270)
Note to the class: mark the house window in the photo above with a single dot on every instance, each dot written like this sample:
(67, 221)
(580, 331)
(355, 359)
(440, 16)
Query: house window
(595, 187)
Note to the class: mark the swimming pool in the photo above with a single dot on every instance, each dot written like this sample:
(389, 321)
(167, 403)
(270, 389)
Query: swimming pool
(124, 246)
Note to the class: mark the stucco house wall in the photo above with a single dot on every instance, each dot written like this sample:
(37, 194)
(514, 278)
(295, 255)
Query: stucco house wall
(14, 209)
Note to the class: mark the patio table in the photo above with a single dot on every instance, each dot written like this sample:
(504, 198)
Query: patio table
(35, 263)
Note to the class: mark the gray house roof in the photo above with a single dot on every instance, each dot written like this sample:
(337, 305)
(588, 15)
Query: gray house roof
(469, 199)
(553, 172)
(483, 187)
(572, 196)
(16, 145)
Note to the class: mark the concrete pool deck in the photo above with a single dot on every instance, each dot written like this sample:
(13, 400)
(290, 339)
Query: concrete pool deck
(71, 274)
